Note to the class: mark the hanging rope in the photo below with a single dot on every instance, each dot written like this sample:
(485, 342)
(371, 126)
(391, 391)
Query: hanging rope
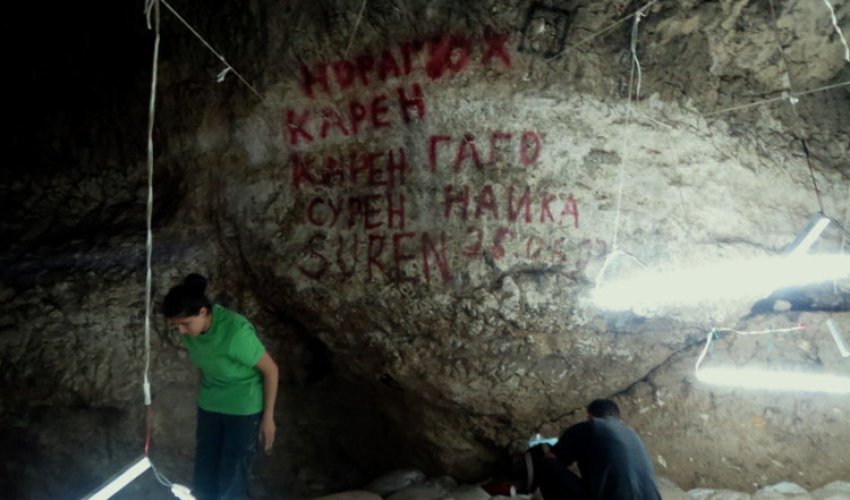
(838, 30)
(634, 68)
(151, 5)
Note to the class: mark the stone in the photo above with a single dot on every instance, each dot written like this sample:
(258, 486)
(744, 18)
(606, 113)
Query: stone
(783, 490)
(836, 490)
(670, 490)
(468, 493)
(718, 494)
(395, 481)
(415, 226)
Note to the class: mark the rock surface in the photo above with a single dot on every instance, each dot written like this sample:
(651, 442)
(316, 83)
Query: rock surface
(414, 213)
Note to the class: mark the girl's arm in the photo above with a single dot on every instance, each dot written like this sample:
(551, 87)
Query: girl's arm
(268, 368)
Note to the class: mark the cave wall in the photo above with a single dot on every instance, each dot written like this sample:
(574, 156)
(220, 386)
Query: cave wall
(414, 211)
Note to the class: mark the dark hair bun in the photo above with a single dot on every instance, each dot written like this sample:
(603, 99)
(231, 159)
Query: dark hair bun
(196, 283)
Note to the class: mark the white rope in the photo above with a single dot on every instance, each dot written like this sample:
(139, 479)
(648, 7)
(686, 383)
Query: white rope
(354, 30)
(781, 98)
(838, 30)
(149, 219)
(219, 56)
(635, 67)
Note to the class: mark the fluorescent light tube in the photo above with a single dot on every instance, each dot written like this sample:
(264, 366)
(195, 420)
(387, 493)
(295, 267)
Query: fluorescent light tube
(121, 479)
(810, 233)
(755, 378)
(725, 280)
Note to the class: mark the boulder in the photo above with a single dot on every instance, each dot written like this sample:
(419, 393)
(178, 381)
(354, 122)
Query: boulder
(836, 490)
(670, 490)
(783, 490)
(395, 481)
(710, 494)
(468, 493)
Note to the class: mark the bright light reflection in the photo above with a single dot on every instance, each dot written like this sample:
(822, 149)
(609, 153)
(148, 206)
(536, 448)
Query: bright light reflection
(754, 378)
(121, 480)
(731, 279)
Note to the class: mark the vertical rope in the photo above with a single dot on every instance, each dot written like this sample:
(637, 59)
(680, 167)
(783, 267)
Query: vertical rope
(154, 5)
(838, 30)
(635, 68)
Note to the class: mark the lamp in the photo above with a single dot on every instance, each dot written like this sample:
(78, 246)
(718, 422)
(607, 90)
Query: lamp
(729, 279)
(811, 232)
(129, 474)
(120, 480)
(790, 380)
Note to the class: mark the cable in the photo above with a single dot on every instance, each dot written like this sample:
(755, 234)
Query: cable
(356, 25)
(781, 98)
(603, 31)
(219, 56)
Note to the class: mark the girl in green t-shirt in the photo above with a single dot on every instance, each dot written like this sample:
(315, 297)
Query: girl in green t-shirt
(238, 389)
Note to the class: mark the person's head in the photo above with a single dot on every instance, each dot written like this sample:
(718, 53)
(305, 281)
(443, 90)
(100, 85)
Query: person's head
(187, 307)
(601, 408)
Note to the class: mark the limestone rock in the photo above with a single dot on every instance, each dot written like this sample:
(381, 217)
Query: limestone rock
(394, 481)
(719, 494)
(836, 490)
(415, 212)
(468, 493)
(670, 490)
(781, 491)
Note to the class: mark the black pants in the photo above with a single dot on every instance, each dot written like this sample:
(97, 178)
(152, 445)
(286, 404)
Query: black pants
(225, 450)
(555, 480)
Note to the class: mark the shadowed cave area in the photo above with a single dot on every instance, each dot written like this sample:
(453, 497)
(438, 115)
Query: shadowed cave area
(417, 203)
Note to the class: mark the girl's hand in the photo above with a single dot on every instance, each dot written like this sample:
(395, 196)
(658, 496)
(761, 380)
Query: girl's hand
(267, 430)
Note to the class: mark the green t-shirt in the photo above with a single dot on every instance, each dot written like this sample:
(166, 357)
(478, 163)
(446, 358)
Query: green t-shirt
(227, 355)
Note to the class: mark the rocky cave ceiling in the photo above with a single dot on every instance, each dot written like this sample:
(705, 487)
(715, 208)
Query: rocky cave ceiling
(414, 208)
